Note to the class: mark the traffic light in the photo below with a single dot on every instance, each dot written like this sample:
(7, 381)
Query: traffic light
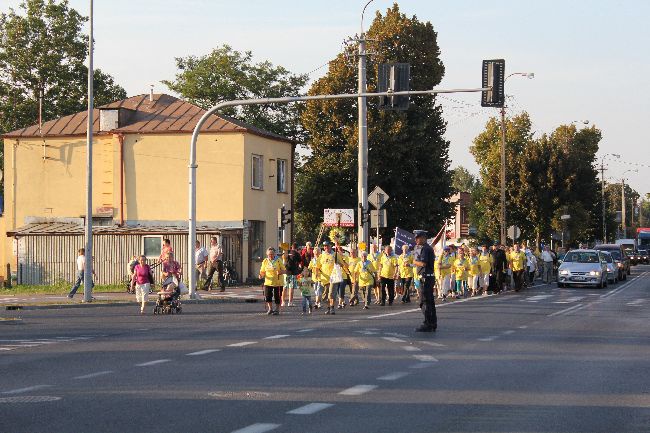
(493, 75)
(284, 217)
(365, 216)
(394, 77)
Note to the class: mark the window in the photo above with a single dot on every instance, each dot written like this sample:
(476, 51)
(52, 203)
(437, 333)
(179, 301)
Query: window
(282, 175)
(257, 172)
(152, 246)
(256, 241)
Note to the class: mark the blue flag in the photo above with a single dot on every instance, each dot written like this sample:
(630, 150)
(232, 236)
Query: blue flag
(403, 237)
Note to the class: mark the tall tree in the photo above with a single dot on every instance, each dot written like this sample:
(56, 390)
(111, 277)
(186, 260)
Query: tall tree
(226, 74)
(408, 156)
(462, 180)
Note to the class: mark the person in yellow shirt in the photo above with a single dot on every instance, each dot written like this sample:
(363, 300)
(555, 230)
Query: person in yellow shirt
(444, 262)
(388, 272)
(364, 272)
(405, 264)
(353, 260)
(518, 260)
(473, 272)
(509, 278)
(326, 267)
(485, 261)
(374, 258)
(315, 277)
(459, 269)
(272, 270)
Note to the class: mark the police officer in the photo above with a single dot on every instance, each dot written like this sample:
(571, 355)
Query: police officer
(424, 259)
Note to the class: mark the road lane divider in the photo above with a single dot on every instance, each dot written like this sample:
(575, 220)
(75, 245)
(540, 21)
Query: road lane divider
(202, 352)
(394, 339)
(150, 363)
(358, 390)
(97, 374)
(276, 337)
(310, 409)
(27, 389)
(411, 348)
(257, 428)
(242, 344)
(425, 358)
(394, 376)
(566, 310)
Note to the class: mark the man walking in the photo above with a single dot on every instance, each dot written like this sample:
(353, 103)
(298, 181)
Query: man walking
(201, 260)
(423, 261)
(293, 269)
(547, 269)
(215, 263)
(500, 266)
(518, 267)
(81, 265)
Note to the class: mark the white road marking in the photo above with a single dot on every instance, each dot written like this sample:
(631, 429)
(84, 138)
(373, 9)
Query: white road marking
(523, 327)
(536, 298)
(394, 339)
(394, 376)
(157, 361)
(508, 332)
(395, 334)
(411, 348)
(494, 337)
(636, 303)
(27, 389)
(305, 330)
(202, 352)
(276, 337)
(367, 332)
(243, 343)
(257, 428)
(421, 365)
(310, 409)
(458, 301)
(566, 310)
(99, 373)
(425, 358)
(433, 343)
(358, 390)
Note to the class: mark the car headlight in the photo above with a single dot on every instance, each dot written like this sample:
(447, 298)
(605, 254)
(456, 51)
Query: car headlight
(564, 272)
(594, 273)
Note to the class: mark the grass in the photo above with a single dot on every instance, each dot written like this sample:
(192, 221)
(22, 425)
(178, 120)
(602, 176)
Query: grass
(57, 289)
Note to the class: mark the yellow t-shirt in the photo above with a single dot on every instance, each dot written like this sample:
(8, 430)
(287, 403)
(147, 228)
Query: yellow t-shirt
(474, 267)
(313, 267)
(352, 264)
(364, 272)
(459, 268)
(271, 270)
(485, 262)
(388, 266)
(326, 265)
(405, 263)
(444, 265)
(518, 260)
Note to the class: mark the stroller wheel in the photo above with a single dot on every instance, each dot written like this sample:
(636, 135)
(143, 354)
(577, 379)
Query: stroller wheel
(178, 310)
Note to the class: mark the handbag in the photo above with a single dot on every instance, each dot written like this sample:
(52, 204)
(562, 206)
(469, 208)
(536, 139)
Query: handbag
(337, 274)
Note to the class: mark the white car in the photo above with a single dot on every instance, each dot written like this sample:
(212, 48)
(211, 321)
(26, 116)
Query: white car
(612, 268)
(583, 267)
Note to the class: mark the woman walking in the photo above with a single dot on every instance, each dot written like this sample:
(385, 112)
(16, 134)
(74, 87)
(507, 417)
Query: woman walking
(141, 282)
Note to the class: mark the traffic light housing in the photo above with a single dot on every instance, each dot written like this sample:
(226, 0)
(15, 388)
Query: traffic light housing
(493, 75)
(394, 77)
(284, 217)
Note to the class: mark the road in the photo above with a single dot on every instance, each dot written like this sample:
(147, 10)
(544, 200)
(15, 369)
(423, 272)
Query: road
(542, 360)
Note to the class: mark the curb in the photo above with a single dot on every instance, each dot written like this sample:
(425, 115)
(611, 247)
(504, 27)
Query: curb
(97, 304)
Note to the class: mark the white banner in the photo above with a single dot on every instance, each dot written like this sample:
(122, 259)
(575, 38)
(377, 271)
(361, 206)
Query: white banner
(338, 217)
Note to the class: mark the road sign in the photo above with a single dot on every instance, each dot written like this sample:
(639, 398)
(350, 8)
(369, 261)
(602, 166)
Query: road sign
(514, 232)
(378, 218)
(378, 197)
(493, 75)
(338, 217)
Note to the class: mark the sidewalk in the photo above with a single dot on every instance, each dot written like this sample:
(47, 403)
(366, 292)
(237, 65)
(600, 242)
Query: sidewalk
(232, 294)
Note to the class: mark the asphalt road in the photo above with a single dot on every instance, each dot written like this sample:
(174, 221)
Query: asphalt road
(542, 360)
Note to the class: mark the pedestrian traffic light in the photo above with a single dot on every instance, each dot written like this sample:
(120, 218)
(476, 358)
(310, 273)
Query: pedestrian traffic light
(493, 74)
(284, 217)
(394, 77)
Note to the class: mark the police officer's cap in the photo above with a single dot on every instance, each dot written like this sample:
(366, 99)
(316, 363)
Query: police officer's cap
(419, 233)
(326, 243)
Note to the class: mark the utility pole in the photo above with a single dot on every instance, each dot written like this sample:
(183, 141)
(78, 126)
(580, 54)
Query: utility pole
(362, 176)
(602, 191)
(88, 269)
(623, 226)
(502, 219)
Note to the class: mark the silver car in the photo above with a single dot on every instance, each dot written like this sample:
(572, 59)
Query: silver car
(583, 267)
(612, 267)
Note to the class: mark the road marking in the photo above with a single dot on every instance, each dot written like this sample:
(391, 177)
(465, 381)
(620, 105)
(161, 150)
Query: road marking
(425, 358)
(99, 373)
(358, 390)
(367, 332)
(257, 428)
(395, 334)
(566, 310)
(202, 352)
(411, 348)
(27, 389)
(494, 337)
(570, 300)
(157, 361)
(624, 286)
(276, 337)
(458, 301)
(421, 365)
(536, 298)
(242, 344)
(432, 343)
(394, 376)
(306, 330)
(636, 303)
(394, 339)
(508, 332)
(523, 327)
(310, 409)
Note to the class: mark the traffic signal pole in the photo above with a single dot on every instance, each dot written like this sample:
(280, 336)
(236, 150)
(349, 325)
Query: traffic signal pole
(192, 166)
(362, 177)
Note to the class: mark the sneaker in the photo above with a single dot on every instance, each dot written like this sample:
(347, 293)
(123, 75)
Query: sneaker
(333, 312)
(310, 310)
(329, 311)
(289, 304)
(365, 307)
(425, 328)
(269, 312)
(276, 312)
(339, 307)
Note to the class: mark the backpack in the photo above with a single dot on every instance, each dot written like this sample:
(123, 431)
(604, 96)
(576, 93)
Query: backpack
(293, 262)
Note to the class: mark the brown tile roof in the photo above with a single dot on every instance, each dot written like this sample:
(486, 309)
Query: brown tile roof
(164, 114)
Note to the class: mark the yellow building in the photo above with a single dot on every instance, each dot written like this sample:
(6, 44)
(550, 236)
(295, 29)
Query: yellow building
(140, 179)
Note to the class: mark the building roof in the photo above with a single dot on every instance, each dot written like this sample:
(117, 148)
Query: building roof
(165, 114)
(60, 228)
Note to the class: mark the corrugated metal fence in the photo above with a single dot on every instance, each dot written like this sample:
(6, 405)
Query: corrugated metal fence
(51, 259)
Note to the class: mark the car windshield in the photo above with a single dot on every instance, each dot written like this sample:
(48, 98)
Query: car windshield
(629, 252)
(581, 257)
(616, 254)
(608, 258)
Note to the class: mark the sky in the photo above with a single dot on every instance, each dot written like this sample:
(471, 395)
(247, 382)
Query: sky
(590, 57)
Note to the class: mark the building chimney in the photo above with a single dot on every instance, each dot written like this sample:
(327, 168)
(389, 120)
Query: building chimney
(151, 94)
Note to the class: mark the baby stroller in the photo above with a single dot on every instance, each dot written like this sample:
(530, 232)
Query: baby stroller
(169, 300)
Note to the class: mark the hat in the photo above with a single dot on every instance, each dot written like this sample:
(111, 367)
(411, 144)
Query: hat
(419, 233)
(326, 243)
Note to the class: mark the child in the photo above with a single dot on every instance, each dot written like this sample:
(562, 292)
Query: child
(459, 270)
(364, 272)
(474, 271)
(304, 281)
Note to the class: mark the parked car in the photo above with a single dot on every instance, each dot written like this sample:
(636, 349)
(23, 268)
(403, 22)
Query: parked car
(612, 268)
(583, 267)
(619, 256)
(645, 258)
(633, 255)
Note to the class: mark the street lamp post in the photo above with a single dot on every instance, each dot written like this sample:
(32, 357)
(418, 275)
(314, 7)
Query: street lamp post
(623, 224)
(602, 190)
(502, 219)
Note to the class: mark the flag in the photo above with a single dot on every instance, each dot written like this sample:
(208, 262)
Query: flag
(403, 237)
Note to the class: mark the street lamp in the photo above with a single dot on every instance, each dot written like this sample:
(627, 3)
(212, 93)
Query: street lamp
(623, 226)
(529, 75)
(602, 189)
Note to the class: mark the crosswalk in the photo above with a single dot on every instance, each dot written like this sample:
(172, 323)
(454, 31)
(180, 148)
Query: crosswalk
(547, 297)
(7, 345)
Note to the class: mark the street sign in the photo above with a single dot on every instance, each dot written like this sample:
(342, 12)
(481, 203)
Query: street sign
(393, 77)
(378, 197)
(514, 232)
(493, 75)
(378, 218)
(338, 217)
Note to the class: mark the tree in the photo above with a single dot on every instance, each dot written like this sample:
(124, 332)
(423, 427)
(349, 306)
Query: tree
(226, 74)
(613, 201)
(408, 156)
(462, 180)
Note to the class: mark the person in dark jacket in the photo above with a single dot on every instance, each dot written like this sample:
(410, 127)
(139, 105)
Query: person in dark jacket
(500, 267)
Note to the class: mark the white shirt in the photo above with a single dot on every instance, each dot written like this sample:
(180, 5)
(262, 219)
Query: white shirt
(81, 263)
(215, 253)
(532, 262)
(200, 255)
(546, 256)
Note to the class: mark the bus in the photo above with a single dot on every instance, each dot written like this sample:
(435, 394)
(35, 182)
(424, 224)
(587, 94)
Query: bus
(643, 238)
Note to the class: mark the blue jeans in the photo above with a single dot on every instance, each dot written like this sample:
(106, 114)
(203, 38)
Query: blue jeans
(77, 283)
(306, 303)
